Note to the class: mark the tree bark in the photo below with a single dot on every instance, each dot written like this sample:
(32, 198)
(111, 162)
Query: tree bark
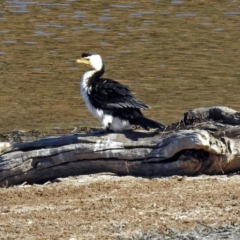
(205, 141)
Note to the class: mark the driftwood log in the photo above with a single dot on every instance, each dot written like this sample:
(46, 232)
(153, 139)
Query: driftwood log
(205, 141)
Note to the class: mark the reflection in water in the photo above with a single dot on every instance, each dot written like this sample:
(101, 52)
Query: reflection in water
(164, 13)
(147, 22)
(140, 13)
(146, 12)
(79, 14)
(31, 43)
(135, 14)
(105, 18)
(59, 38)
(218, 29)
(4, 31)
(176, 2)
(104, 43)
(41, 33)
(122, 34)
(123, 6)
(17, 6)
(100, 29)
(174, 55)
(46, 10)
(54, 4)
(124, 51)
(206, 24)
(232, 13)
(49, 25)
(8, 41)
(144, 39)
(186, 15)
(89, 24)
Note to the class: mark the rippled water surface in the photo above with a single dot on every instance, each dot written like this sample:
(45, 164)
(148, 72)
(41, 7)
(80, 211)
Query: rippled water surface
(174, 55)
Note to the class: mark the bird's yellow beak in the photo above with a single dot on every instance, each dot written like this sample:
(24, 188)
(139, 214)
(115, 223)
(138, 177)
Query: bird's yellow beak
(83, 60)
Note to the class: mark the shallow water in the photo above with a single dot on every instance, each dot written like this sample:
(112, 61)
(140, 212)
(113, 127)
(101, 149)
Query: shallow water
(174, 55)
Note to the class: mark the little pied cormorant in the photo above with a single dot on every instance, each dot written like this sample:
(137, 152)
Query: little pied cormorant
(109, 101)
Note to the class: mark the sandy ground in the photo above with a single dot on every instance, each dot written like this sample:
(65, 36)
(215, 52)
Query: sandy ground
(104, 206)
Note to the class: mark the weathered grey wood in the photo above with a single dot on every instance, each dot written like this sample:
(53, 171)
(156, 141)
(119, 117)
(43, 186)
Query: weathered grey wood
(205, 141)
(219, 114)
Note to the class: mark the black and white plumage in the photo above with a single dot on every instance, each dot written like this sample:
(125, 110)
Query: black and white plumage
(109, 101)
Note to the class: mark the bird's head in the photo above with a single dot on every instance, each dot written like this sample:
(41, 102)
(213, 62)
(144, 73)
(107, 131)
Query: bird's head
(91, 59)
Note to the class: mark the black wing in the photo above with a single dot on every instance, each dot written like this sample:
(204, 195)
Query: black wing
(108, 94)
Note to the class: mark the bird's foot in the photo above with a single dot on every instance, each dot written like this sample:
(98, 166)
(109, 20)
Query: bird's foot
(158, 131)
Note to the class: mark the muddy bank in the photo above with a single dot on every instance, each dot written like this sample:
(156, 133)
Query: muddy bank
(105, 206)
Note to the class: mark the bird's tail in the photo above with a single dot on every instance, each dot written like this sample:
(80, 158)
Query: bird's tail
(147, 123)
